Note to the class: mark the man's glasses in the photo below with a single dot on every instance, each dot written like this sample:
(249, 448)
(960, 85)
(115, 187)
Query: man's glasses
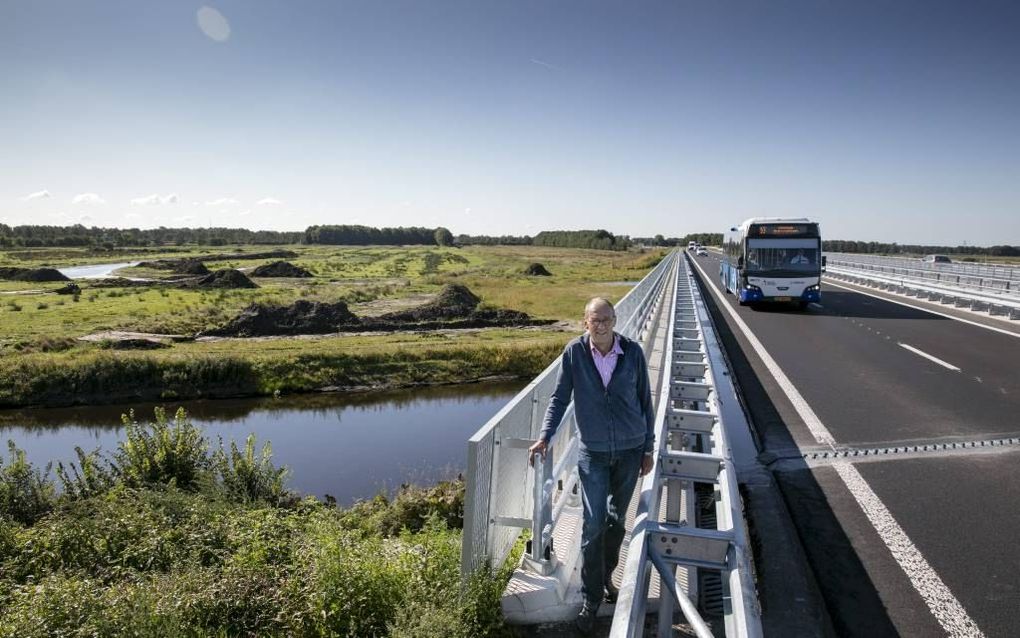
(601, 322)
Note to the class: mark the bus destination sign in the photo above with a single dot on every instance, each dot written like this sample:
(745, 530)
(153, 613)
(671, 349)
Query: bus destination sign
(784, 230)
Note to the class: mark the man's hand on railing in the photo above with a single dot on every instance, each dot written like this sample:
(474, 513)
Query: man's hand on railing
(537, 448)
(647, 461)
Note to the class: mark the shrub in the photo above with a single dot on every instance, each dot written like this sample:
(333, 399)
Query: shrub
(162, 453)
(247, 477)
(353, 584)
(26, 494)
(91, 476)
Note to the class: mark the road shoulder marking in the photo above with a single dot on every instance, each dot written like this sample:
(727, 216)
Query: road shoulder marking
(927, 356)
(940, 600)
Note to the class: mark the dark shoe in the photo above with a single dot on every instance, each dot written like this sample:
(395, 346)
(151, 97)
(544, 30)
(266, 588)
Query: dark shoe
(611, 593)
(585, 621)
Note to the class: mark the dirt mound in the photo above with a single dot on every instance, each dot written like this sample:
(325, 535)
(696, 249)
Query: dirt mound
(280, 269)
(191, 267)
(32, 274)
(226, 278)
(455, 307)
(303, 317)
(537, 270)
(455, 301)
(161, 264)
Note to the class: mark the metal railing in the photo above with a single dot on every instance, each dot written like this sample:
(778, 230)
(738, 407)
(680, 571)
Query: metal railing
(498, 501)
(996, 296)
(966, 269)
(692, 449)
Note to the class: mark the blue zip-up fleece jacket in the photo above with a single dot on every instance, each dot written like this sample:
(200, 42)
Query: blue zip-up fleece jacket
(609, 419)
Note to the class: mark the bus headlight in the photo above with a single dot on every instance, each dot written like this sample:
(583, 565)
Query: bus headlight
(815, 288)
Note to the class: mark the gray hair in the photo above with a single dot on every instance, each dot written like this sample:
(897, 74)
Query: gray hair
(597, 301)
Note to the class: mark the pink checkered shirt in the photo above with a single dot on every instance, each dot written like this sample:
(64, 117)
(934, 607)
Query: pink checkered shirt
(606, 363)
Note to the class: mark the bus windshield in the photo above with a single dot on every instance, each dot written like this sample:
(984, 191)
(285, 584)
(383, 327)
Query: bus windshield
(792, 256)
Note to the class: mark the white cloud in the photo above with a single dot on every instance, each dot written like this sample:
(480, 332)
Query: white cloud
(223, 201)
(213, 24)
(145, 201)
(196, 203)
(84, 218)
(185, 218)
(36, 195)
(154, 199)
(269, 201)
(244, 213)
(88, 198)
(132, 216)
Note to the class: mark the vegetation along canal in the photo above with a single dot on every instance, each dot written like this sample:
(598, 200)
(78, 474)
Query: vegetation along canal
(348, 446)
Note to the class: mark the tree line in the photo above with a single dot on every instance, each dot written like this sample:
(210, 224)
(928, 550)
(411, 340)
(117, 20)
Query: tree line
(30, 236)
(881, 248)
(109, 238)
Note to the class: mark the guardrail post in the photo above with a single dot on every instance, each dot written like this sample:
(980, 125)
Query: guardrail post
(540, 557)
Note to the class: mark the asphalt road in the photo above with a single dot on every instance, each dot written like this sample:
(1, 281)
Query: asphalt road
(913, 545)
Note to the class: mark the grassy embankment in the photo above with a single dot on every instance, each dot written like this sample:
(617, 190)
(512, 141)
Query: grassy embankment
(171, 537)
(42, 362)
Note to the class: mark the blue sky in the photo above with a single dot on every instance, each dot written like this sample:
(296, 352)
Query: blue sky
(886, 121)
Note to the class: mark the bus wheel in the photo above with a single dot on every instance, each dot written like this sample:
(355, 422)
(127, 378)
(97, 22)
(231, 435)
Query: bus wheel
(802, 305)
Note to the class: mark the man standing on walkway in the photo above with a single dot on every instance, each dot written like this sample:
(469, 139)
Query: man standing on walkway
(608, 377)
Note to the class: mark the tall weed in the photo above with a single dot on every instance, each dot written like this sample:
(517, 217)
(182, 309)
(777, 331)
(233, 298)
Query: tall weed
(162, 453)
(26, 493)
(248, 477)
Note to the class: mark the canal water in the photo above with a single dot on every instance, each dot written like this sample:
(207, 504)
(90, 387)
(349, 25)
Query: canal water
(349, 446)
(95, 271)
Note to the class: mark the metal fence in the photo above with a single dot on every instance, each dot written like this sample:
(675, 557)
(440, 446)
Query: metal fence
(995, 296)
(692, 449)
(937, 271)
(500, 493)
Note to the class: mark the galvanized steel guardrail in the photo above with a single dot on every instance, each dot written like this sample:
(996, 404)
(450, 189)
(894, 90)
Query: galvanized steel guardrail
(995, 296)
(692, 449)
(966, 269)
(499, 502)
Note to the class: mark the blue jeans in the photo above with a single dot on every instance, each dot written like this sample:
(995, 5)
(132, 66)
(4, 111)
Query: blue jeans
(608, 480)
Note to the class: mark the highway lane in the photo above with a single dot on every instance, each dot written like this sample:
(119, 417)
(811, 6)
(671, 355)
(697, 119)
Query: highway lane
(845, 360)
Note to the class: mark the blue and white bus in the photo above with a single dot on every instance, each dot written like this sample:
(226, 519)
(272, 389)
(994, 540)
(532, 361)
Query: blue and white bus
(773, 259)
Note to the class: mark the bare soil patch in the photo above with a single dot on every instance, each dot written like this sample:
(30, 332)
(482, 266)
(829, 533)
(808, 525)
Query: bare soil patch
(280, 269)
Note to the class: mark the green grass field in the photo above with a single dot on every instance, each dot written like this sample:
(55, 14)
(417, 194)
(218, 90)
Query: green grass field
(43, 361)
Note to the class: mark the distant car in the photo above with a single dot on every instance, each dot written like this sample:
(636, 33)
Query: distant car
(692, 245)
(936, 259)
(701, 252)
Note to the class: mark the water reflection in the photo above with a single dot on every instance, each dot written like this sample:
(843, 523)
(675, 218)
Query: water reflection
(350, 446)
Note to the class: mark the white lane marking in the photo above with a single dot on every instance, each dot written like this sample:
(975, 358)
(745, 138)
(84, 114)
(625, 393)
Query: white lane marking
(940, 600)
(829, 282)
(928, 356)
(811, 420)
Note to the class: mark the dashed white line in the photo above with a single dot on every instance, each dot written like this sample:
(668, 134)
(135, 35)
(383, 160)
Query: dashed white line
(928, 356)
(936, 595)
